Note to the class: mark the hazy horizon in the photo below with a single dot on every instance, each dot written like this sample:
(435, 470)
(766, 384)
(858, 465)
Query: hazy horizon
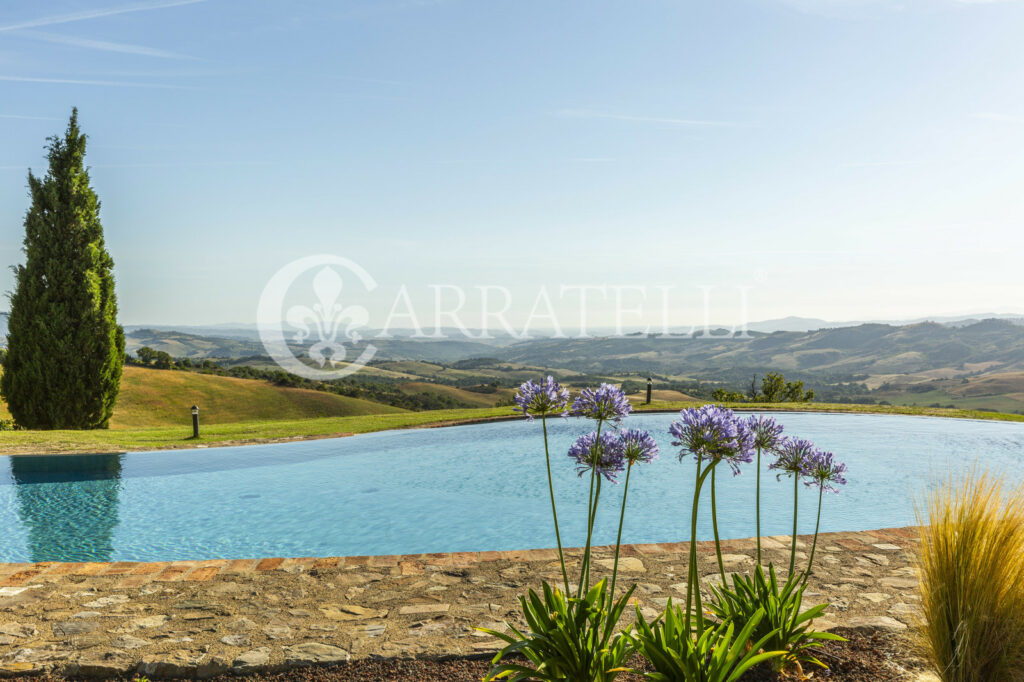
(840, 159)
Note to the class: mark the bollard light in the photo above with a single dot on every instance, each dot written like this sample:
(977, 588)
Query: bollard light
(195, 421)
(649, 381)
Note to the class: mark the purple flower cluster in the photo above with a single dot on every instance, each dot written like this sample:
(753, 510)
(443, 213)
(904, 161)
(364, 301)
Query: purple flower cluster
(638, 446)
(604, 454)
(605, 403)
(541, 399)
(799, 457)
(767, 432)
(613, 452)
(792, 456)
(823, 471)
(713, 433)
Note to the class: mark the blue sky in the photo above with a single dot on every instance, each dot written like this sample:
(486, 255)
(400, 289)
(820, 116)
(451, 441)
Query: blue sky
(842, 159)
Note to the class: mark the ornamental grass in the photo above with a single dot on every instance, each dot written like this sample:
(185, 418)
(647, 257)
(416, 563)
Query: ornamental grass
(971, 559)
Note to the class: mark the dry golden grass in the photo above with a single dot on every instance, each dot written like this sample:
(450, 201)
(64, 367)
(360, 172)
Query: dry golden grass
(155, 398)
(971, 558)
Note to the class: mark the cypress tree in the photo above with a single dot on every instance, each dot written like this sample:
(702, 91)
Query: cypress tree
(64, 346)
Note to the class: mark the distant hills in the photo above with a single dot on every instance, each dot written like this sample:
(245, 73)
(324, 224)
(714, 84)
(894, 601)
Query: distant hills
(249, 332)
(860, 351)
(966, 362)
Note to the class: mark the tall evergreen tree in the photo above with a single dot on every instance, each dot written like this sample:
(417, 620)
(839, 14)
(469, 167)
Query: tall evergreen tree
(64, 345)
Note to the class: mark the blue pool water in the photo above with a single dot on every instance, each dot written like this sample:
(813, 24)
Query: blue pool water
(464, 488)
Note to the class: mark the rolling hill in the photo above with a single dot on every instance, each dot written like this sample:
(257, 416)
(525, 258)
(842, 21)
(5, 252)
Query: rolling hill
(151, 397)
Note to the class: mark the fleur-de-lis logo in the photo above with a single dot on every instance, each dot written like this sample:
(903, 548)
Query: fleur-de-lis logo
(327, 325)
(327, 317)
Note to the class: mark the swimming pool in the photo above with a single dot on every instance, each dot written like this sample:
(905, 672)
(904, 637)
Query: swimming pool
(466, 488)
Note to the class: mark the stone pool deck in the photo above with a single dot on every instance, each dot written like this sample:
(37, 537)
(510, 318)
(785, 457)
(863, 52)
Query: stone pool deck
(204, 618)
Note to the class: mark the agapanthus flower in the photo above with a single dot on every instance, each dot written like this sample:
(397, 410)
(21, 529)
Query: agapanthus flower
(767, 432)
(604, 455)
(637, 446)
(792, 456)
(547, 397)
(713, 433)
(823, 471)
(606, 403)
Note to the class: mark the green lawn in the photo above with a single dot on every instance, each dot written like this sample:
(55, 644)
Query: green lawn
(26, 442)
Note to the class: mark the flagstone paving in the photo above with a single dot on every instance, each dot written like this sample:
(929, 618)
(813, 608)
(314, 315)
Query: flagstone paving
(203, 618)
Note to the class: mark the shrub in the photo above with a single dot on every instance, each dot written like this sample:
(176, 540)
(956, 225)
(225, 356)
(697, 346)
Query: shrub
(971, 558)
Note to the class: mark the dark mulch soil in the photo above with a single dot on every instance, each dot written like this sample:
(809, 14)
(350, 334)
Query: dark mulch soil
(865, 658)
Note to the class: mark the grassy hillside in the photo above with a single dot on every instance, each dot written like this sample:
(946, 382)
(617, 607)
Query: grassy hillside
(463, 396)
(152, 397)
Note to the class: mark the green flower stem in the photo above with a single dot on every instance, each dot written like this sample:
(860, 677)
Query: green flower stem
(554, 512)
(757, 507)
(693, 590)
(817, 525)
(586, 553)
(693, 558)
(714, 527)
(618, 539)
(792, 551)
(590, 531)
(591, 513)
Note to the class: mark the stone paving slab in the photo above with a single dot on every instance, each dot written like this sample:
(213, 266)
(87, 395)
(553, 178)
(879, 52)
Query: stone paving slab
(204, 618)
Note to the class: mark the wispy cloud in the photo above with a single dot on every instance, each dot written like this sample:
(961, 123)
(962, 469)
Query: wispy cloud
(998, 117)
(876, 164)
(102, 45)
(694, 122)
(97, 13)
(74, 81)
(30, 118)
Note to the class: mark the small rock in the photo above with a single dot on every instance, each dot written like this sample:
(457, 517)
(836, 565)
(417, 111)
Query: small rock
(903, 609)
(129, 642)
(887, 547)
(216, 665)
(314, 652)
(627, 564)
(18, 630)
(424, 608)
(350, 612)
(177, 664)
(874, 597)
(108, 665)
(72, 627)
(277, 632)
(112, 600)
(237, 640)
(879, 559)
(251, 661)
(16, 669)
(899, 583)
(87, 614)
(873, 623)
(242, 625)
(375, 629)
(148, 622)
